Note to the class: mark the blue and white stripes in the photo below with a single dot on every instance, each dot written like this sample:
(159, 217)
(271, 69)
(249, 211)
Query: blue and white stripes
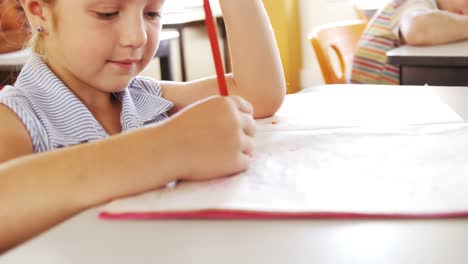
(56, 118)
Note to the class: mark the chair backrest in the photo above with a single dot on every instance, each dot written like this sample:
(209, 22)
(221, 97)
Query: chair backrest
(341, 39)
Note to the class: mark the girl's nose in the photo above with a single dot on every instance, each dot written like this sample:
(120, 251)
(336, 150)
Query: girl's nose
(133, 33)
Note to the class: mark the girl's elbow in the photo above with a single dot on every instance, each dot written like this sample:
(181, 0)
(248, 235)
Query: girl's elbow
(417, 38)
(415, 31)
(269, 105)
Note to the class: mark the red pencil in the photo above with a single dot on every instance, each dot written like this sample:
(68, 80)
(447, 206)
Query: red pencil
(213, 35)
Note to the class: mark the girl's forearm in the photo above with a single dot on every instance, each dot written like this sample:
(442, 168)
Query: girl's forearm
(256, 62)
(56, 185)
(257, 74)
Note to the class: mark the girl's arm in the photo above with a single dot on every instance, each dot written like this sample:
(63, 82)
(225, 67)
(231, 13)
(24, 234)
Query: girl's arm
(257, 73)
(38, 191)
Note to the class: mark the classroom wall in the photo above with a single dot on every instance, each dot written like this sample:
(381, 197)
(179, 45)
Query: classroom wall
(285, 20)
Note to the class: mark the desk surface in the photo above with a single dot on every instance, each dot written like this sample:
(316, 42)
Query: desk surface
(452, 54)
(86, 239)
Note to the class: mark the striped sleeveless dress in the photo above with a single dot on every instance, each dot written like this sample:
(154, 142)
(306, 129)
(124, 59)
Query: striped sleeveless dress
(55, 117)
(381, 35)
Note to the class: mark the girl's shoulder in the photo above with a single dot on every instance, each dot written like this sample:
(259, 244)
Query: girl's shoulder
(18, 100)
(23, 104)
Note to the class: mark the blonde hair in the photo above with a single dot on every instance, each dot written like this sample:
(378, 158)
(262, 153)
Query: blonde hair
(36, 40)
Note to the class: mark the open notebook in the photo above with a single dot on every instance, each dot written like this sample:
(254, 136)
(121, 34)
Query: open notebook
(408, 171)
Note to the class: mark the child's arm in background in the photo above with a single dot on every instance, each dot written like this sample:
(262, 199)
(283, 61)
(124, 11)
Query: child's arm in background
(41, 190)
(257, 73)
(433, 27)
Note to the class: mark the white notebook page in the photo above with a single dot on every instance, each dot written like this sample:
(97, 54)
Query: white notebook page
(409, 169)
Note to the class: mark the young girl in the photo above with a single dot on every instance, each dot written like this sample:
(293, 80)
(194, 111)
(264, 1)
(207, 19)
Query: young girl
(100, 132)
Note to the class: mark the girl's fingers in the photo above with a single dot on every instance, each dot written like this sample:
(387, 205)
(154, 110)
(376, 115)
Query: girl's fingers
(248, 125)
(248, 147)
(243, 161)
(242, 105)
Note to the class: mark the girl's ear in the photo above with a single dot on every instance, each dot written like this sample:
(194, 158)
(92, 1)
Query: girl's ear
(35, 12)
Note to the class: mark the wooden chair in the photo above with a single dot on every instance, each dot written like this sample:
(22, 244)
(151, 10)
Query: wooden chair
(341, 40)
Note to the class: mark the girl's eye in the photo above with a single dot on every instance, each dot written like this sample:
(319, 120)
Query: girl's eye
(107, 15)
(153, 15)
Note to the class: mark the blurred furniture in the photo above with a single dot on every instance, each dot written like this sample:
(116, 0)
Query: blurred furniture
(180, 19)
(164, 53)
(336, 40)
(366, 9)
(442, 65)
(10, 65)
(365, 15)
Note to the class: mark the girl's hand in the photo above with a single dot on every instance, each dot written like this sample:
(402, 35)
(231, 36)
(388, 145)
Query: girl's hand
(213, 138)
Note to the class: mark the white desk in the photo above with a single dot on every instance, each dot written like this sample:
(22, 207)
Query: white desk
(86, 239)
(435, 65)
(455, 50)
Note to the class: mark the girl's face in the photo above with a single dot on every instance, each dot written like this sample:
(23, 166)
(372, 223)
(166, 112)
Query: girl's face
(102, 43)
